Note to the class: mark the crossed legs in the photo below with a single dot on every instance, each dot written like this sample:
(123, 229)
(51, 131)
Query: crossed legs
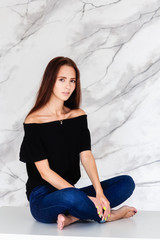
(116, 190)
(68, 205)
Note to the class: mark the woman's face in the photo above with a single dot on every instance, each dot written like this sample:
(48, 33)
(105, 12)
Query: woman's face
(65, 82)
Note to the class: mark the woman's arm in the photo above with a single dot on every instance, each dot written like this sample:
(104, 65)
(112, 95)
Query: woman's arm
(100, 201)
(50, 176)
(89, 165)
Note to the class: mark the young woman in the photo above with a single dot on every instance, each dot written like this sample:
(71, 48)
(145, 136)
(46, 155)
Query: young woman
(56, 139)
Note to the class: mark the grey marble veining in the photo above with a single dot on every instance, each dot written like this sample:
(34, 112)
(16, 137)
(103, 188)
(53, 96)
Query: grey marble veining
(116, 45)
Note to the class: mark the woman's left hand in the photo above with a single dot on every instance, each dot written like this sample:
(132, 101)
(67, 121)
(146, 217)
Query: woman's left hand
(104, 205)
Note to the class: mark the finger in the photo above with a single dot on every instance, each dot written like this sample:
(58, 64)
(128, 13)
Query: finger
(102, 211)
(106, 213)
(98, 211)
(106, 208)
(106, 216)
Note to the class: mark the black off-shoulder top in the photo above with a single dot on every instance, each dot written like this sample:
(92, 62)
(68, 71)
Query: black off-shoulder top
(60, 142)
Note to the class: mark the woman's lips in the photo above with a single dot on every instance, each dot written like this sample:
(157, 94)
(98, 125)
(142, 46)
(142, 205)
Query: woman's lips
(66, 93)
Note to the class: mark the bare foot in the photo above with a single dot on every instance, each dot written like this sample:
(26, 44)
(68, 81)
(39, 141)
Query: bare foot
(123, 212)
(64, 220)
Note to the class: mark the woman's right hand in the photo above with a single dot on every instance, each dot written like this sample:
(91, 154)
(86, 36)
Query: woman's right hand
(96, 203)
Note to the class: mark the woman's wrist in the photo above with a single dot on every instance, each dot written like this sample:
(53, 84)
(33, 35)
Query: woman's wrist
(99, 191)
(98, 188)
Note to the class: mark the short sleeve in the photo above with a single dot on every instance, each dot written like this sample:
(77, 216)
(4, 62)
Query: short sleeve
(31, 149)
(85, 137)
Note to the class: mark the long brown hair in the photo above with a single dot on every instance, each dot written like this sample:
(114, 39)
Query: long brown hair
(49, 79)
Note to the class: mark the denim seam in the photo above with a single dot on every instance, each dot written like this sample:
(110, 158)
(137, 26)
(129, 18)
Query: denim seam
(53, 206)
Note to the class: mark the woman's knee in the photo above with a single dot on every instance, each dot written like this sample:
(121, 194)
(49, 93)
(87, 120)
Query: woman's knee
(129, 182)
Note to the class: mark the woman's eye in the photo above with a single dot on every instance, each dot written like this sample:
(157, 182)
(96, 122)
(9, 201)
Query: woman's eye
(61, 79)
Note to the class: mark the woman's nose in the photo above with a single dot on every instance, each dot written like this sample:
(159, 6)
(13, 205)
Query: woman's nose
(68, 85)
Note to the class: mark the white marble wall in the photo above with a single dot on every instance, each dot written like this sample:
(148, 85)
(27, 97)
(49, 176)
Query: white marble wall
(116, 45)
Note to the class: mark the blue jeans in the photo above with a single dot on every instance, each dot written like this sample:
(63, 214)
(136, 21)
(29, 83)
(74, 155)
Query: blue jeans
(46, 202)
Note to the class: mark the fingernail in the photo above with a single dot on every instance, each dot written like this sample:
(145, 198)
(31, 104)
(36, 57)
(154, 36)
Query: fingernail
(104, 208)
(105, 219)
(97, 207)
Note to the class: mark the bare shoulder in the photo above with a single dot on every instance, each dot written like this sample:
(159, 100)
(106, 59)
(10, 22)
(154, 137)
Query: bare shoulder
(36, 117)
(30, 119)
(78, 112)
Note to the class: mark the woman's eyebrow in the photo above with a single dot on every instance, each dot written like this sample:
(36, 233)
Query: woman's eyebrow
(65, 77)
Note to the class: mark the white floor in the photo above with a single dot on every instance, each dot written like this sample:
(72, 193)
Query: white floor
(17, 221)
